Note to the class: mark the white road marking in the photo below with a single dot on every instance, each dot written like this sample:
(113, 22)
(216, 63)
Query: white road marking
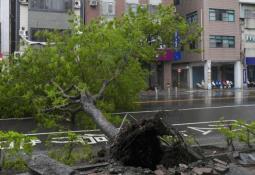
(62, 132)
(184, 109)
(10, 119)
(155, 111)
(204, 131)
(97, 130)
(206, 122)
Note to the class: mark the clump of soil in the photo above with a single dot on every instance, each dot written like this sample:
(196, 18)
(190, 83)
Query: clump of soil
(139, 145)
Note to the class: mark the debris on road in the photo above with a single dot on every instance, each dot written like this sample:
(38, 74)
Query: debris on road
(44, 165)
(247, 159)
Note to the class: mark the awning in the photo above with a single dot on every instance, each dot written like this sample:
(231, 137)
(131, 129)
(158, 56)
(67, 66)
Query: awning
(250, 60)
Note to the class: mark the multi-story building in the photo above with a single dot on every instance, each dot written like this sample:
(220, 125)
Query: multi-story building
(220, 57)
(38, 15)
(247, 20)
(115, 8)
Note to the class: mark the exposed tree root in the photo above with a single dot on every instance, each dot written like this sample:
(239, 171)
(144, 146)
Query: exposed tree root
(139, 145)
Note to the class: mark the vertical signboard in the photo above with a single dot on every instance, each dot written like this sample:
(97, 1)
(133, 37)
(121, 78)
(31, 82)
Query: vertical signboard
(177, 53)
(244, 76)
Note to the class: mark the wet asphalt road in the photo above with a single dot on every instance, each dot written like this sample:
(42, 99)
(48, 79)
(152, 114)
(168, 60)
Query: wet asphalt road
(195, 113)
(198, 113)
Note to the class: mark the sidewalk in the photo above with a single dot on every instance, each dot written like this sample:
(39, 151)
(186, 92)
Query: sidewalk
(196, 93)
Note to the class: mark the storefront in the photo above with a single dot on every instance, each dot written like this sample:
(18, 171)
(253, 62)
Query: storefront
(250, 63)
(206, 75)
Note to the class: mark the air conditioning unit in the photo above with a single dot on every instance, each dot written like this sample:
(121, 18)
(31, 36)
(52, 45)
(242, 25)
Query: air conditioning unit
(77, 4)
(93, 3)
(25, 2)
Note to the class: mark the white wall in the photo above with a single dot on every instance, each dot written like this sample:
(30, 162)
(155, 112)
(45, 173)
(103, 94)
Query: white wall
(155, 2)
(132, 1)
(24, 16)
(5, 26)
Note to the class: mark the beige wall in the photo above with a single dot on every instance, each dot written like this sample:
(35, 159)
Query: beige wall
(221, 28)
(213, 28)
(185, 8)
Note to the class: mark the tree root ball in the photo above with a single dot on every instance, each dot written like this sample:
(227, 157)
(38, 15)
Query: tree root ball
(139, 145)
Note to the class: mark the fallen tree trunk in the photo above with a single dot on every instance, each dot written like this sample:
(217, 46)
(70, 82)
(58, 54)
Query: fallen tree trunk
(89, 107)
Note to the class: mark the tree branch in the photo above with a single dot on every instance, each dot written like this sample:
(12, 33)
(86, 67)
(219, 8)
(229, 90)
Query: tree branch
(59, 107)
(100, 94)
(64, 107)
(64, 92)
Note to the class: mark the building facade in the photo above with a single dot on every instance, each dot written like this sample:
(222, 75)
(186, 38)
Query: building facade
(247, 20)
(114, 8)
(220, 57)
(39, 15)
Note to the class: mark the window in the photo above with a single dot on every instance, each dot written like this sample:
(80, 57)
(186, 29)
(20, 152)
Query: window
(221, 15)
(249, 13)
(132, 7)
(193, 45)
(177, 2)
(50, 5)
(107, 8)
(217, 41)
(153, 8)
(110, 8)
(192, 17)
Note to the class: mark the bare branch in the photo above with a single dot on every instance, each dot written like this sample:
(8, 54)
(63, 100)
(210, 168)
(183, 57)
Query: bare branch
(64, 92)
(106, 83)
(59, 108)
(64, 107)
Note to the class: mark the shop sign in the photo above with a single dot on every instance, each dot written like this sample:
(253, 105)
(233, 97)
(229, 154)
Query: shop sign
(176, 40)
(250, 38)
(179, 70)
(250, 60)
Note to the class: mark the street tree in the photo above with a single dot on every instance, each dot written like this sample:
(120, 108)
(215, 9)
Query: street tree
(94, 68)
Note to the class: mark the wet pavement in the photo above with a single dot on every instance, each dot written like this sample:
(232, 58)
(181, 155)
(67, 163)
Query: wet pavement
(198, 112)
(194, 113)
(178, 99)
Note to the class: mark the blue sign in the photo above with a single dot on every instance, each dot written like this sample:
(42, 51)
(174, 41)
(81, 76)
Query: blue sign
(250, 60)
(177, 56)
(176, 40)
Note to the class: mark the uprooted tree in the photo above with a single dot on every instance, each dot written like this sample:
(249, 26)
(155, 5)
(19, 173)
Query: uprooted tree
(94, 68)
